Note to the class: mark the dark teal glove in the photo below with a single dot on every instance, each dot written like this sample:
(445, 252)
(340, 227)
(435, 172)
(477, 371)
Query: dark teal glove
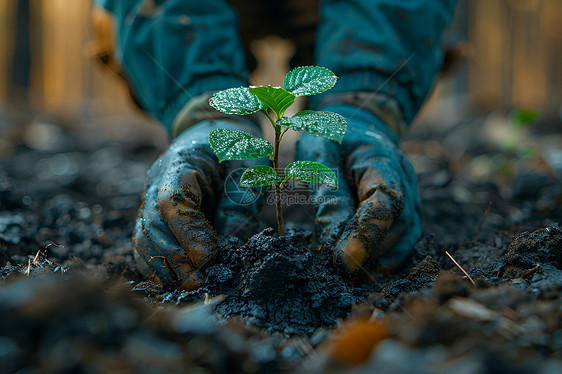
(386, 54)
(185, 194)
(173, 54)
(375, 214)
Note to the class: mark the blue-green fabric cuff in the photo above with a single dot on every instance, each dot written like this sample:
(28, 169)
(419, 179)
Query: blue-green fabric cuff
(200, 86)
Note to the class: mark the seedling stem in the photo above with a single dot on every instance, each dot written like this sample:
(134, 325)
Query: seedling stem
(238, 145)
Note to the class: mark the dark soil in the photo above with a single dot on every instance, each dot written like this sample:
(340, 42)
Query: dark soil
(72, 299)
(283, 284)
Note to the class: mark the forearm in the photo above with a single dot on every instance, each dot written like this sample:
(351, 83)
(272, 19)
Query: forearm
(386, 47)
(175, 50)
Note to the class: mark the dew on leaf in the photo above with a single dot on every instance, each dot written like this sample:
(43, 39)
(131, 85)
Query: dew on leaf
(238, 101)
(309, 80)
(238, 145)
(328, 125)
(259, 176)
(310, 171)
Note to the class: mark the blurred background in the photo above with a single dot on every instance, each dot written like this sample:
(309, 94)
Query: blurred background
(513, 57)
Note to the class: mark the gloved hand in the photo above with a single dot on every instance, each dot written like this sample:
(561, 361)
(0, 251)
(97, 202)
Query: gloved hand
(376, 216)
(173, 55)
(185, 192)
(386, 55)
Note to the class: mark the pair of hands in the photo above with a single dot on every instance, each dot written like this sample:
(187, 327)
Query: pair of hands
(376, 216)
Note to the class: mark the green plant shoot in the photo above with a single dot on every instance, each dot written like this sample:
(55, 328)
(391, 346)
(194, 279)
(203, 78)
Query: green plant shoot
(273, 102)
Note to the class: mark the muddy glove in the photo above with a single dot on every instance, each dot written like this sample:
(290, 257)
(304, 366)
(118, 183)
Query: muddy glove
(386, 55)
(173, 55)
(374, 215)
(187, 189)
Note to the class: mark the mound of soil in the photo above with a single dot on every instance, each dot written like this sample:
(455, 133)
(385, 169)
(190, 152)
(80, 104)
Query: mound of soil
(283, 284)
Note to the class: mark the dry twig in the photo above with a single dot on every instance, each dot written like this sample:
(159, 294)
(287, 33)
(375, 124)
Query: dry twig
(460, 267)
(530, 272)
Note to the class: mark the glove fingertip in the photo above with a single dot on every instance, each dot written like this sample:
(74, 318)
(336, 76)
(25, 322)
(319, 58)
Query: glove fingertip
(351, 254)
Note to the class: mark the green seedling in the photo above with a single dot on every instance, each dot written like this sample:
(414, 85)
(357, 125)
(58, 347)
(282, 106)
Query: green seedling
(273, 102)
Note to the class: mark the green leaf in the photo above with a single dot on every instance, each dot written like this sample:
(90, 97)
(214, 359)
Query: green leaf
(309, 80)
(328, 125)
(259, 176)
(238, 145)
(310, 171)
(275, 98)
(238, 101)
(524, 117)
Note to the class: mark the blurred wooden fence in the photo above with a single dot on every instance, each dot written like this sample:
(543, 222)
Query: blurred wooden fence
(517, 53)
(516, 58)
(63, 77)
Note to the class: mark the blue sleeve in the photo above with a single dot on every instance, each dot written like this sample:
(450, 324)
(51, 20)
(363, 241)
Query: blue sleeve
(389, 47)
(171, 51)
